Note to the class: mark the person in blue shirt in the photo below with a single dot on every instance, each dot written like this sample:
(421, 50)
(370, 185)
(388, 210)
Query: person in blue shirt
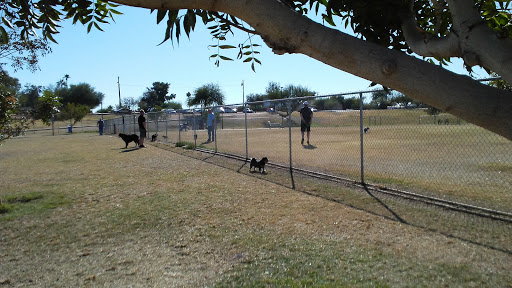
(210, 123)
(101, 124)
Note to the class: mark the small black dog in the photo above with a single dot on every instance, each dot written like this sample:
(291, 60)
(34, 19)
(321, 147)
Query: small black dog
(153, 137)
(258, 164)
(129, 138)
(366, 129)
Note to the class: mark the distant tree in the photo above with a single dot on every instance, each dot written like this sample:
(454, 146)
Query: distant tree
(82, 93)
(109, 109)
(433, 111)
(130, 102)
(172, 105)
(403, 100)
(29, 95)
(207, 95)
(256, 98)
(73, 111)
(47, 106)
(330, 103)
(274, 90)
(380, 99)
(156, 95)
(292, 91)
(350, 103)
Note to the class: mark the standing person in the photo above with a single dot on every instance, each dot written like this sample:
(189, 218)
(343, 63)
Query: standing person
(210, 123)
(142, 129)
(101, 124)
(306, 117)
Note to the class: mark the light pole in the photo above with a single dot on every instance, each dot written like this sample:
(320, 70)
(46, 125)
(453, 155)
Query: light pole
(245, 112)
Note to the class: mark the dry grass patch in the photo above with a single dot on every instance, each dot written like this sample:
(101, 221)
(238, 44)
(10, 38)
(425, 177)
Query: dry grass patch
(149, 217)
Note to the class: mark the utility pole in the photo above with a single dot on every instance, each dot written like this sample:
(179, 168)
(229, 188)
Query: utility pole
(245, 112)
(119, 89)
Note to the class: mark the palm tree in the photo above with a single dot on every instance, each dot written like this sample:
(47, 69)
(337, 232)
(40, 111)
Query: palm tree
(66, 77)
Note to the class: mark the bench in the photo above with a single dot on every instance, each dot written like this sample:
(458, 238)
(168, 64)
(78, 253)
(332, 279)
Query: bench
(271, 125)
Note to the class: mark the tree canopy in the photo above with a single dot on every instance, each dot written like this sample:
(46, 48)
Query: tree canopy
(207, 95)
(390, 35)
(82, 93)
(23, 53)
(156, 95)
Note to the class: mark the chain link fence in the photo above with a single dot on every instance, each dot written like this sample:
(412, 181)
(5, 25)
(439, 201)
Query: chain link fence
(407, 149)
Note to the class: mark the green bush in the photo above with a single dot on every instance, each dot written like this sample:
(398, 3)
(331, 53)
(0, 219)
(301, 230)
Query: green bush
(4, 208)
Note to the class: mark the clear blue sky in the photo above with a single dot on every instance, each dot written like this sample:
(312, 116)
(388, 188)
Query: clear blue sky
(128, 50)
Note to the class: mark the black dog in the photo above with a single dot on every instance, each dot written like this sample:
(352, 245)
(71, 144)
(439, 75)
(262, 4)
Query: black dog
(366, 129)
(258, 164)
(153, 137)
(129, 138)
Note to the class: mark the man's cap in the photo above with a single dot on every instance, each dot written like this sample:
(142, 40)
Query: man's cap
(305, 103)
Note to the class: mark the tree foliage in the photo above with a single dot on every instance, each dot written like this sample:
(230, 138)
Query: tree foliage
(24, 53)
(82, 93)
(29, 95)
(47, 107)
(74, 112)
(207, 95)
(12, 121)
(156, 95)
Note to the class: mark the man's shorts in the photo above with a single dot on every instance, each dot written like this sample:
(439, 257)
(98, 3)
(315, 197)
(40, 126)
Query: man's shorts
(304, 127)
(142, 133)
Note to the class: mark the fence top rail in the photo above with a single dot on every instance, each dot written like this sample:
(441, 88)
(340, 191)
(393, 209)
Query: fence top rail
(313, 96)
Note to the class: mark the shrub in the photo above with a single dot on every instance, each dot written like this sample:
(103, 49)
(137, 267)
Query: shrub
(4, 208)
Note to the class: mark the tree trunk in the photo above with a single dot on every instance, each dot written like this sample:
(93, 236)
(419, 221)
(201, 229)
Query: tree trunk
(288, 32)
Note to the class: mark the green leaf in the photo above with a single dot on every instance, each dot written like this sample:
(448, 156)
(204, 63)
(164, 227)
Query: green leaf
(227, 47)
(5, 36)
(115, 12)
(160, 15)
(225, 58)
(89, 27)
(97, 26)
(7, 23)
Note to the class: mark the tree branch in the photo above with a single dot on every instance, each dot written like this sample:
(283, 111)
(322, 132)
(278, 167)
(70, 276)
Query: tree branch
(239, 27)
(479, 44)
(429, 45)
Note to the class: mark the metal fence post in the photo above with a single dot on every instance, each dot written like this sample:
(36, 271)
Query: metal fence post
(195, 131)
(288, 103)
(361, 135)
(246, 139)
(179, 125)
(215, 134)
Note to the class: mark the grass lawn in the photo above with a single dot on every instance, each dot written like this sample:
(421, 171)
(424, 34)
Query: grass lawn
(95, 214)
